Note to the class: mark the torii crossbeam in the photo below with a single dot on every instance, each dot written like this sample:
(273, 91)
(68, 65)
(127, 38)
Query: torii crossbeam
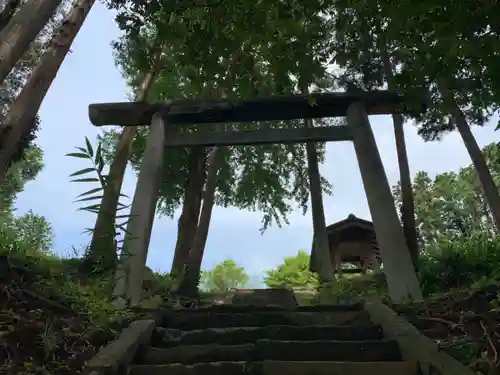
(179, 112)
(355, 106)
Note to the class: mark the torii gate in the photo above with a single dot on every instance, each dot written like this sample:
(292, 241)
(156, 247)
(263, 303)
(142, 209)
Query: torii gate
(162, 116)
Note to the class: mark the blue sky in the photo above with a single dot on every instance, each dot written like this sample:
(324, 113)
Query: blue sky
(89, 75)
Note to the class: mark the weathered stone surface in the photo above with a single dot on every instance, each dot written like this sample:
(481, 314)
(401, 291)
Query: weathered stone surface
(280, 367)
(190, 321)
(163, 337)
(339, 368)
(120, 352)
(213, 368)
(227, 308)
(360, 351)
(264, 297)
(413, 345)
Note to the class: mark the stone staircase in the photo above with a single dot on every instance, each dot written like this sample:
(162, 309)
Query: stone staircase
(265, 332)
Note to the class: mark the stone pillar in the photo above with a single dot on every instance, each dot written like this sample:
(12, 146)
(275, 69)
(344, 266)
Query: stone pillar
(398, 267)
(142, 212)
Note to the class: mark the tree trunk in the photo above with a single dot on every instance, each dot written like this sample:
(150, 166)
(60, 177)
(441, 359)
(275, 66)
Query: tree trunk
(318, 214)
(188, 221)
(322, 248)
(23, 28)
(408, 205)
(487, 183)
(102, 250)
(189, 284)
(26, 106)
(7, 12)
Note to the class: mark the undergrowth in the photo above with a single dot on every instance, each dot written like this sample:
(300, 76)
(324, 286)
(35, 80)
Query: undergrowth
(461, 307)
(53, 316)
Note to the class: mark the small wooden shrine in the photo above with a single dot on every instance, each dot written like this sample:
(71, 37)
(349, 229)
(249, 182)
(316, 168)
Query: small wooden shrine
(351, 240)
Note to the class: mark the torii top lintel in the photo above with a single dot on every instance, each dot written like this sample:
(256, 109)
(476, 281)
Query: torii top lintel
(315, 105)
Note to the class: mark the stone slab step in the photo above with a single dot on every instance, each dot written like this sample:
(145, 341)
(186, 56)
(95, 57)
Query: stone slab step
(262, 297)
(189, 321)
(163, 337)
(280, 368)
(227, 308)
(359, 351)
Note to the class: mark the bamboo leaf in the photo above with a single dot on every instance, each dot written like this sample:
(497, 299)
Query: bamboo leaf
(90, 179)
(78, 155)
(91, 207)
(82, 171)
(90, 149)
(89, 198)
(98, 157)
(92, 191)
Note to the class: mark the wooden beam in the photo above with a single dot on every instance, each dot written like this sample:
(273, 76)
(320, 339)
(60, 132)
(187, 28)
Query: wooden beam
(259, 137)
(255, 109)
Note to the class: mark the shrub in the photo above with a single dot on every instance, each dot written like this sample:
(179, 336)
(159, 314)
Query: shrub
(460, 263)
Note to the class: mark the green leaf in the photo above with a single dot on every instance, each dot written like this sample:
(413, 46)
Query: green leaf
(78, 155)
(92, 191)
(98, 156)
(90, 150)
(82, 171)
(90, 179)
(89, 198)
(91, 207)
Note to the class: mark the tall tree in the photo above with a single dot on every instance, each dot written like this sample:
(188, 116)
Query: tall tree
(188, 220)
(102, 250)
(190, 282)
(22, 29)
(452, 204)
(17, 78)
(7, 12)
(24, 109)
(447, 63)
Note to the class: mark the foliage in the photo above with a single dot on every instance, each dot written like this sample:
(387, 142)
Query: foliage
(223, 277)
(19, 173)
(93, 195)
(33, 231)
(452, 206)
(430, 57)
(244, 62)
(293, 272)
(461, 263)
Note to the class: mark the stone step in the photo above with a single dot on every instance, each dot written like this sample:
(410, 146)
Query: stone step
(189, 321)
(227, 308)
(359, 351)
(163, 337)
(262, 297)
(279, 368)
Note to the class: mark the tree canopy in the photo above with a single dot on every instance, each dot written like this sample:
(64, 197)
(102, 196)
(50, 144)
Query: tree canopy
(253, 58)
(294, 271)
(223, 277)
(451, 205)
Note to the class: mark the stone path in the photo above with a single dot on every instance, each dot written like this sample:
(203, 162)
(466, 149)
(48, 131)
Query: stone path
(257, 335)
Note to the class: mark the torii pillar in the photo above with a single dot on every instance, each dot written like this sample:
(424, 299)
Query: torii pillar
(398, 267)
